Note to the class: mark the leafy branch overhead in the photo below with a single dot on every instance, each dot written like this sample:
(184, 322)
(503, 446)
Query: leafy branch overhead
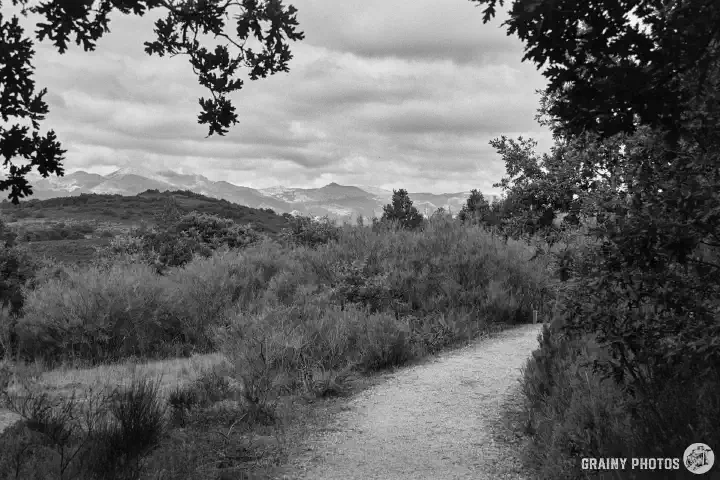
(268, 23)
(608, 70)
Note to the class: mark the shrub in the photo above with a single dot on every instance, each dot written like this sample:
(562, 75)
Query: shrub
(17, 268)
(98, 314)
(123, 247)
(215, 231)
(356, 284)
(133, 430)
(574, 412)
(17, 271)
(180, 239)
(104, 437)
(207, 289)
(305, 230)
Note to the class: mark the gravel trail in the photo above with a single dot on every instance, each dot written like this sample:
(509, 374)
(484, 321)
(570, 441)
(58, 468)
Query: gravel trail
(440, 420)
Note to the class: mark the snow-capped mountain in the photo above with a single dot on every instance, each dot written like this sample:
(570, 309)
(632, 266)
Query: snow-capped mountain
(334, 200)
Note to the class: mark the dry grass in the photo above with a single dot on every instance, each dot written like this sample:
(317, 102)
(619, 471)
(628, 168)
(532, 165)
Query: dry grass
(62, 382)
(174, 372)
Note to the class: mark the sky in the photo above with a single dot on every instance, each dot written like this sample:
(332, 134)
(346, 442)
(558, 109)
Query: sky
(385, 93)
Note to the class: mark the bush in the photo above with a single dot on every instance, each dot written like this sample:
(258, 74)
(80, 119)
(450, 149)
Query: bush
(17, 268)
(215, 231)
(121, 309)
(573, 412)
(98, 314)
(124, 250)
(307, 231)
(104, 437)
(17, 271)
(179, 241)
(133, 431)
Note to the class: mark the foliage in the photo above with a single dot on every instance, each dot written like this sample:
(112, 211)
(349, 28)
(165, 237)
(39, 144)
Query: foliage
(268, 22)
(178, 240)
(170, 213)
(215, 232)
(647, 74)
(7, 236)
(291, 320)
(17, 272)
(573, 179)
(103, 436)
(56, 231)
(571, 412)
(476, 208)
(135, 429)
(17, 269)
(402, 211)
(636, 129)
(97, 314)
(123, 308)
(92, 208)
(356, 283)
(305, 230)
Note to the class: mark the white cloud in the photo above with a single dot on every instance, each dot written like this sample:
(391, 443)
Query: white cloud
(398, 94)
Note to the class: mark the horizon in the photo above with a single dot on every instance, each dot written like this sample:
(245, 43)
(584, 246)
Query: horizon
(409, 102)
(390, 191)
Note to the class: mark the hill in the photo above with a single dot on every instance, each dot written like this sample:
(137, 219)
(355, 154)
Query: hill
(338, 202)
(52, 227)
(126, 210)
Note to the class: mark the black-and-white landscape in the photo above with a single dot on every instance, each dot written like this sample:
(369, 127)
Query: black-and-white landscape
(397, 240)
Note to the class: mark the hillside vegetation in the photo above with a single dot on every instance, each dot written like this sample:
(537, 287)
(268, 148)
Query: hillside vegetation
(69, 229)
(297, 314)
(142, 207)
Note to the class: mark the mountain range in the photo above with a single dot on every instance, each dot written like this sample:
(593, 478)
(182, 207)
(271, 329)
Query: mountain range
(339, 202)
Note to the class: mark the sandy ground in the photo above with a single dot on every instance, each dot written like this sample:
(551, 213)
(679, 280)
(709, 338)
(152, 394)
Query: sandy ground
(440, 420)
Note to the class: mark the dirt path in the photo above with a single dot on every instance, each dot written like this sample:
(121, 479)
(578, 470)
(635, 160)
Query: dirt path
(437, 420)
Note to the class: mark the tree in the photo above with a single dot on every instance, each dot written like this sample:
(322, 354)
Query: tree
(170, 215)
(585, 176)
(651, 284)
(645, 75)
(476, 208)
(440, 213)
(268, 21)
(402, 210)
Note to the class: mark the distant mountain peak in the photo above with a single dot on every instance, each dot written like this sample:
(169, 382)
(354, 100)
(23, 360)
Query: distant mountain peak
(336, 200)
(133, 170)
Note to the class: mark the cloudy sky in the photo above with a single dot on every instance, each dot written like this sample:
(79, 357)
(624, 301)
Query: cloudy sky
(388, 93)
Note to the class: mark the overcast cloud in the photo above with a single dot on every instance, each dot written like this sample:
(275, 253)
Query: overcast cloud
(389, 93)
